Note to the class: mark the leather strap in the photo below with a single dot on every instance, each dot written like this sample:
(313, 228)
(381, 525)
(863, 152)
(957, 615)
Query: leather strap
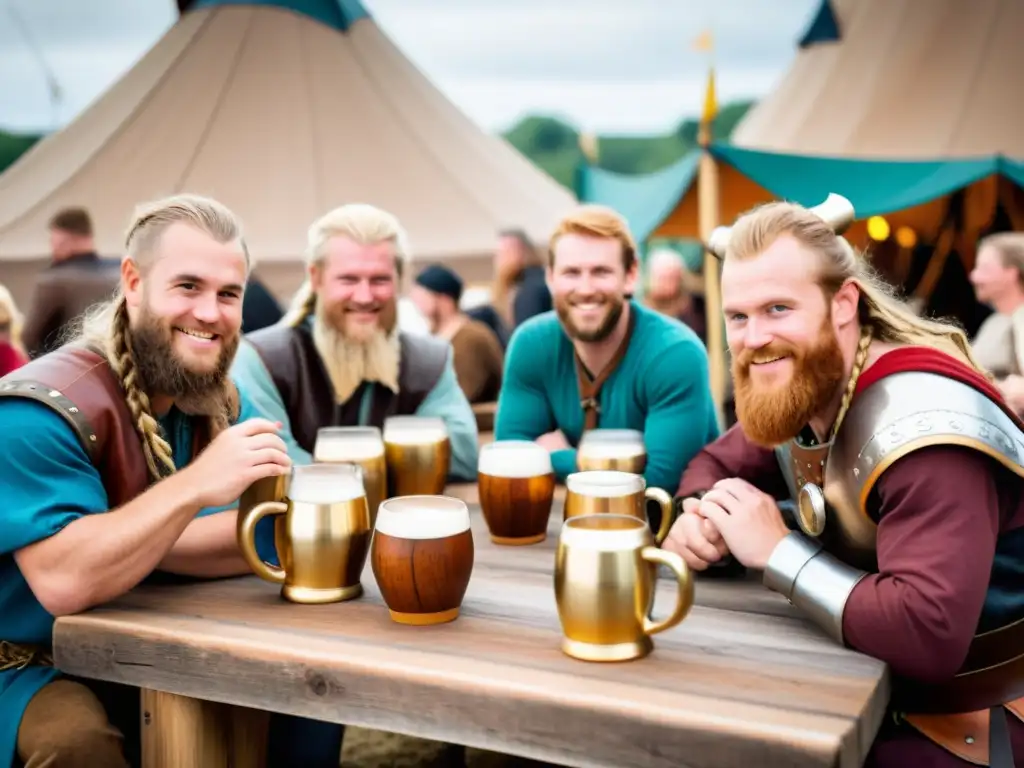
(590, 388)
(976, 737)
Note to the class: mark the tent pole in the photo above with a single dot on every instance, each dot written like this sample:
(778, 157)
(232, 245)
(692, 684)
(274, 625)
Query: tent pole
(708, 215)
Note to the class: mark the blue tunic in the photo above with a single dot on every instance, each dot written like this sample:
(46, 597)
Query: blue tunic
(46, 483)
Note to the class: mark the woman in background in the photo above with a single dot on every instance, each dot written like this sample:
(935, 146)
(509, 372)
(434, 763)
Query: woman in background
(12, 355)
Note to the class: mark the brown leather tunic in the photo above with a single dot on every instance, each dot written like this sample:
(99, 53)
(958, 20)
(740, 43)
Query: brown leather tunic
(78, 383)
(298, 373)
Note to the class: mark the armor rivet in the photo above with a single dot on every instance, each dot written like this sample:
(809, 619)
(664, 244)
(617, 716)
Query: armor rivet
(93, 438)
(956, 425)
(856, 472)
(894, 436)
(31, 386)
(73, 409)
(808, 466)
(984, 433)
(969, 739)
(54, 393)
(923, 425)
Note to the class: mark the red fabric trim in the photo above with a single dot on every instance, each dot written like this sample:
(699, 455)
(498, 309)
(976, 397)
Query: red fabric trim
(928, 360)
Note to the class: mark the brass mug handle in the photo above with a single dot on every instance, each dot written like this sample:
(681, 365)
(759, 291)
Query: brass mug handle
(684, 595)
(664, 501)
(247, 540)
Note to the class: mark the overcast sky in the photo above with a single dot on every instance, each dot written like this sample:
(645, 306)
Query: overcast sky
(612, 66)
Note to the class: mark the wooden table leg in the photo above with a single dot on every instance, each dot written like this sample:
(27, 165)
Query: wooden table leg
(180, 732)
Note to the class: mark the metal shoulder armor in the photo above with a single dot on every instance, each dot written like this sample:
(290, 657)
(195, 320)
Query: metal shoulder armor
(896, 416)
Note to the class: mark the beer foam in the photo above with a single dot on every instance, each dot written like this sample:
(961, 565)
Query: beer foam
(514, 458)
(604, 484)
(325, 484)
(422, 517)
(349, 449)
(413, 430)
(602, 450)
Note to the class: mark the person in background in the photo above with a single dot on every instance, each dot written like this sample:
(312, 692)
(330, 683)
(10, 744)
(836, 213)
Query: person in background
(998, 280)
(125, 453)
(602, 360)
(12, 354)
(674, 291)
(260, 309)
(477, 355)
(76, 279)
(520, 289)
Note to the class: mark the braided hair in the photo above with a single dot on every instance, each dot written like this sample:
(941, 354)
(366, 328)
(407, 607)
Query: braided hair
(106, 328)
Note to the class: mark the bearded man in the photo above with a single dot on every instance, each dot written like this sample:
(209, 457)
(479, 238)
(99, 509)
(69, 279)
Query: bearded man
(905, 465)
(338, 358)
(122, 450)
(600, 360)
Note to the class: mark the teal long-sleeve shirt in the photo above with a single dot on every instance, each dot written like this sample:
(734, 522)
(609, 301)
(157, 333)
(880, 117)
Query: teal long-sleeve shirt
(660, 388)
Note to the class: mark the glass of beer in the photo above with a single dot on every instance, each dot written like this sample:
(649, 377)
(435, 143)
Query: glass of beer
(422, 557)
(357, 445)
(418, 454)
(323, 534)
(517, 485)
(616, 449)
(606, 569)
(612, 492)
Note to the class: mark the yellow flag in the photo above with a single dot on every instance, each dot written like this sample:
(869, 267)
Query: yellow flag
(710, 99)
(704, 42)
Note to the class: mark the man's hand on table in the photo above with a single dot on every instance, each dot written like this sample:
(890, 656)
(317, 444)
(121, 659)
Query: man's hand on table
(694, 538)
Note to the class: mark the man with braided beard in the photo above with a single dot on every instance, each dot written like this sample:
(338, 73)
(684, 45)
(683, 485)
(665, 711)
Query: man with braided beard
(122, 451)
(905, 465)
(338, 358)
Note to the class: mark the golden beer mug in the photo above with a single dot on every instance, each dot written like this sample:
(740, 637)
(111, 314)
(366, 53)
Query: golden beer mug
(422, 557)
(616, 449)
(322, 534)
(363, 446)
(517, 485)
(599, 492)
(606, 569)
(418, 454)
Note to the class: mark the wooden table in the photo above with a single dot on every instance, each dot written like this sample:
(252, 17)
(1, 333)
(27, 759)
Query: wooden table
(744, 681)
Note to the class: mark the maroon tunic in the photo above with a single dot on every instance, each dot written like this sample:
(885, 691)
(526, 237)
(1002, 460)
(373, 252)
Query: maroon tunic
(939, 511)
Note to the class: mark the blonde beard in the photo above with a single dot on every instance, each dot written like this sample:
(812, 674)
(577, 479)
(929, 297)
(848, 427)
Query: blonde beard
(349, 363)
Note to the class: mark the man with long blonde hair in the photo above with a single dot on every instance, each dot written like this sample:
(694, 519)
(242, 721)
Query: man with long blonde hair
(338, 357)
(123, 451)
(905, 465)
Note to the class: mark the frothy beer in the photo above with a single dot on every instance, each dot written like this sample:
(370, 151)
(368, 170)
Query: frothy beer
(363, 446)
(517, 485)
(422, 557)
(597, 492)
(418, 455)
(612, 449)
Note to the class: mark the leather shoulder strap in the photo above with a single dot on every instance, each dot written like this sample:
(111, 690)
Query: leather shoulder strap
(423, 360)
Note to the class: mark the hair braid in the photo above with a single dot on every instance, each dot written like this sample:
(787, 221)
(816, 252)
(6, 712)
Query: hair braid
(302, 306)
(156, 450)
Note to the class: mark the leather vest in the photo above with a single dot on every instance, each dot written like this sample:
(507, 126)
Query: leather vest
(832, 484)
(79, 385)
(291, 357)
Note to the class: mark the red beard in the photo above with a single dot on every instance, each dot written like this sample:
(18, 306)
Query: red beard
(771, 414)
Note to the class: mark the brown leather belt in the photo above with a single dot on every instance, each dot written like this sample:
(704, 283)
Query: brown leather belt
(992, 674)
(965, 735)
(14, 656)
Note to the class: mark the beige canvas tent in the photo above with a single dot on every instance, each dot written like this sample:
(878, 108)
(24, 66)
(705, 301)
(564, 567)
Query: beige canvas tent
(906, 79)
(281, 109)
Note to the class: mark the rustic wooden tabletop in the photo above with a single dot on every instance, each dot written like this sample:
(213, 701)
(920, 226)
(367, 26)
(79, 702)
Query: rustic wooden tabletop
(743, 681)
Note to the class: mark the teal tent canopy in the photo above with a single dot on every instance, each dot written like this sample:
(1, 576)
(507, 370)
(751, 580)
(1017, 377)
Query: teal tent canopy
(875, 187)
(339, 14)
(644, 200)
